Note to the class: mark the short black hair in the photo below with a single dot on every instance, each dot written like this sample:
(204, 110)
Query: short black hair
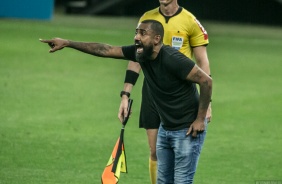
(156, 26)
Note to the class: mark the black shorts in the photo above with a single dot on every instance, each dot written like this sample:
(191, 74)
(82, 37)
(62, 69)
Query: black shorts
(149, 117)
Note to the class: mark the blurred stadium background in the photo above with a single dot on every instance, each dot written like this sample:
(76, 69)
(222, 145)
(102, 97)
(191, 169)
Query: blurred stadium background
(267, 12)
(58, 112)
(252, 11)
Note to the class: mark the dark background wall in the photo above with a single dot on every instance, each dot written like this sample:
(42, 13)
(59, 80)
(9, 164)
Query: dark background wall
(248, 11)
(268, 12)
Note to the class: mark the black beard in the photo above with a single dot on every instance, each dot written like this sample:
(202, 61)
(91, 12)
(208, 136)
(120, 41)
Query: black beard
(145, 55)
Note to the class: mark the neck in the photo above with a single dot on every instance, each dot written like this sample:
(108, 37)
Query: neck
(169, 9)
(156, 51)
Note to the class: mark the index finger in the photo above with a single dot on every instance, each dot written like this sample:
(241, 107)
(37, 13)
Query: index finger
(121, 114)
(125, 112)
(45, 41)
(194, 134)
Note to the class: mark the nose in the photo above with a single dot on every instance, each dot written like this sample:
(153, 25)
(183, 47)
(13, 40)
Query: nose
(137, 37)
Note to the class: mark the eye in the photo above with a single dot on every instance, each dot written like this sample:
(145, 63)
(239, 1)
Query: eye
(143, 33)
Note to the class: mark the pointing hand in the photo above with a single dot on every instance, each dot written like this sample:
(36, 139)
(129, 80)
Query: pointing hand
(55, 44)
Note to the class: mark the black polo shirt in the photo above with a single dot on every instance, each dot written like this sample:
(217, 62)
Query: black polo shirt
(176, 99)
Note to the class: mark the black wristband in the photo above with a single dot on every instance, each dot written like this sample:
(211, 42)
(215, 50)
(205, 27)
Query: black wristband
(131, 77)
(124, 93)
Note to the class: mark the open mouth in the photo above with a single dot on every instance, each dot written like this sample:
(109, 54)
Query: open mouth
(139, 47)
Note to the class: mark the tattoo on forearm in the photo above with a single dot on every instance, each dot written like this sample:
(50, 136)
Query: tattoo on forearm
(197, 76)
(96, 49)
(205, 84)
(205, 94)
(101, 49)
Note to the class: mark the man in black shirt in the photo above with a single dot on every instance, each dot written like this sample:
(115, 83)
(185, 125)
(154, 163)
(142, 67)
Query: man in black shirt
(171, 79)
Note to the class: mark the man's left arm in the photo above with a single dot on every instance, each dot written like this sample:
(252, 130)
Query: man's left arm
(201, 57)
(198, 76)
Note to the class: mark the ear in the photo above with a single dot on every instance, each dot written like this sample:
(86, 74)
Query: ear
(157, 39)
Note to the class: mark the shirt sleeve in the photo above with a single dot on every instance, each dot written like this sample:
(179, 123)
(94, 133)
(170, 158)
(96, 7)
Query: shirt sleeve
(182, 65)
(129, 52)
(199, 35)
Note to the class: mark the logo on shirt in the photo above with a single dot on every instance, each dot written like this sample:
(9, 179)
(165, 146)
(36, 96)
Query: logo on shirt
(177, 42)
(203, 29)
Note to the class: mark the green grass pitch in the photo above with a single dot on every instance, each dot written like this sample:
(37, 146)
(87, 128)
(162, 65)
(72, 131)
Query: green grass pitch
(58, 112)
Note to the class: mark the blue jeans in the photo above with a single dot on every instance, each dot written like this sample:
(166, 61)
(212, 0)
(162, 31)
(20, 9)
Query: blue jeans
(178, 155)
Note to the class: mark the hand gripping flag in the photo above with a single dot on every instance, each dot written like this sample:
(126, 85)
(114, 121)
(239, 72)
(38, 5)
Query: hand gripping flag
(117, 161)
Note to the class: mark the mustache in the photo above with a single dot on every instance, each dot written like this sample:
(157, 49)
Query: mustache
(138, 44)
